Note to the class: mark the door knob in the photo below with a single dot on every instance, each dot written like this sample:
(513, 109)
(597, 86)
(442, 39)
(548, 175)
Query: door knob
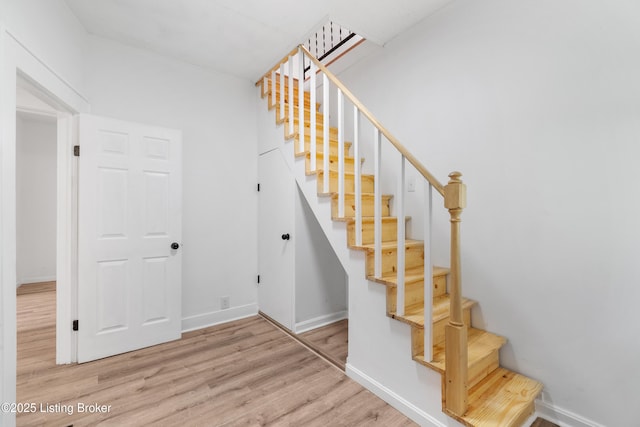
(175, 245)
(285, 236)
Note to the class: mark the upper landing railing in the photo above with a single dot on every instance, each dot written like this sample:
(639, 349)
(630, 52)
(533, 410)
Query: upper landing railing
(327, 41)
(454, 194)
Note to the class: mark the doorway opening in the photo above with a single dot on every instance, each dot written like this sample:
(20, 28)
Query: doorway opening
(36, 234)
(45, 223)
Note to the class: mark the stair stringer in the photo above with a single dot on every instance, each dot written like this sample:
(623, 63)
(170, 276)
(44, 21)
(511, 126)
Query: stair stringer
(379, 346)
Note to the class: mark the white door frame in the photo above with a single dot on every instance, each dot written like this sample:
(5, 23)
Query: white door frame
(15, 58)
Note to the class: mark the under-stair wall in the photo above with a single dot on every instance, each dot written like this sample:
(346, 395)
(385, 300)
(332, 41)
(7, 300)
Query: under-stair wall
(320, 281)
(379, 347)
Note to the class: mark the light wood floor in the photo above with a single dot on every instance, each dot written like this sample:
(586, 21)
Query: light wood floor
(539, 422)
(244, 373)
(331, 340)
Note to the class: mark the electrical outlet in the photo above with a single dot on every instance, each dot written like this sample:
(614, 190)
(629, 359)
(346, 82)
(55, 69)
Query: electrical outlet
(411, 184)
(224, 303)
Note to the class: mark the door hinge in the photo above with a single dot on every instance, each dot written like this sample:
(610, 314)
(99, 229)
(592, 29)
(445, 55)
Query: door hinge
(76, 150)
(75, 325)
(258, 278)
(258, 187)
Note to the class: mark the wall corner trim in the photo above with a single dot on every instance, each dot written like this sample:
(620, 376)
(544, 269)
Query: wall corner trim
(393, 399)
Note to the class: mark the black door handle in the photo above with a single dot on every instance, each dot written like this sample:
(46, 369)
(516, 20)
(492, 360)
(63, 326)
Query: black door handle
(285, 236)
(175, 245)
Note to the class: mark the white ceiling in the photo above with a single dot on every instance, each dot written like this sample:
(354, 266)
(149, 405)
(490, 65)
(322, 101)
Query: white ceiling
(241, 37)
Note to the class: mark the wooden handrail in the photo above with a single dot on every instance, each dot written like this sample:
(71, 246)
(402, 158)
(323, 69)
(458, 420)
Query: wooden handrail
(275, 67)
(392, 139)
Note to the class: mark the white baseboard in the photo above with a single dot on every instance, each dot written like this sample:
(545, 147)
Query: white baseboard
(398, 402)
(321, 321)
(561, 416)
(213, 318)
(37, 279)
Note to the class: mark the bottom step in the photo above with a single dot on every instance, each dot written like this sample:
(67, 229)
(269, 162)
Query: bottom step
(503, 398)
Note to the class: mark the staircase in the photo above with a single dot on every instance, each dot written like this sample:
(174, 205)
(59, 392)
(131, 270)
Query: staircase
(476, 391)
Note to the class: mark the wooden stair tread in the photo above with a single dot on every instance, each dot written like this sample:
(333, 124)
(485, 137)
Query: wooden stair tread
(411, 275)
(504, 398)
(307, 123)
(368, 222)
(307, 102)
(320, 142)
(384, 219)
(333, 138)
(393, 244)
(479, 344)
(307, 152)
(347, 173)
(414, 315)
(333, 157)
(349, 208)
(364, 195)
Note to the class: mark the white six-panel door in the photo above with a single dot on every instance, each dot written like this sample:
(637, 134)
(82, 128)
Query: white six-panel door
(129, 215)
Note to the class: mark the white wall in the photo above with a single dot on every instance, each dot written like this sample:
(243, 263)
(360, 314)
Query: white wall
(321, 282)
(536, 103)
(36, 198)
(216, 113)
(50, 31)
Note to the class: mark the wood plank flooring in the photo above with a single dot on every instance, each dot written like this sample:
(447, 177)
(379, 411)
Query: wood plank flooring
(32, 288)
(244, 373)
(539, 422)
(332, 340)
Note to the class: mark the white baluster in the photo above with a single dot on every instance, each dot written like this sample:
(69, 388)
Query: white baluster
(312, 115)
(291, 101)
(301, 101)
(357, 174)
(325, 129)
(272, 96)
(281, 92)
(400, 240)
(340, 154)
(428, 274)
(377, 200)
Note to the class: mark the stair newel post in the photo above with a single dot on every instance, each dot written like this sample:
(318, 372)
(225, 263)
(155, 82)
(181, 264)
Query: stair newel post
(301, 101)
(291, 100)
(325, 133)
(455, 199)
(312, 115)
